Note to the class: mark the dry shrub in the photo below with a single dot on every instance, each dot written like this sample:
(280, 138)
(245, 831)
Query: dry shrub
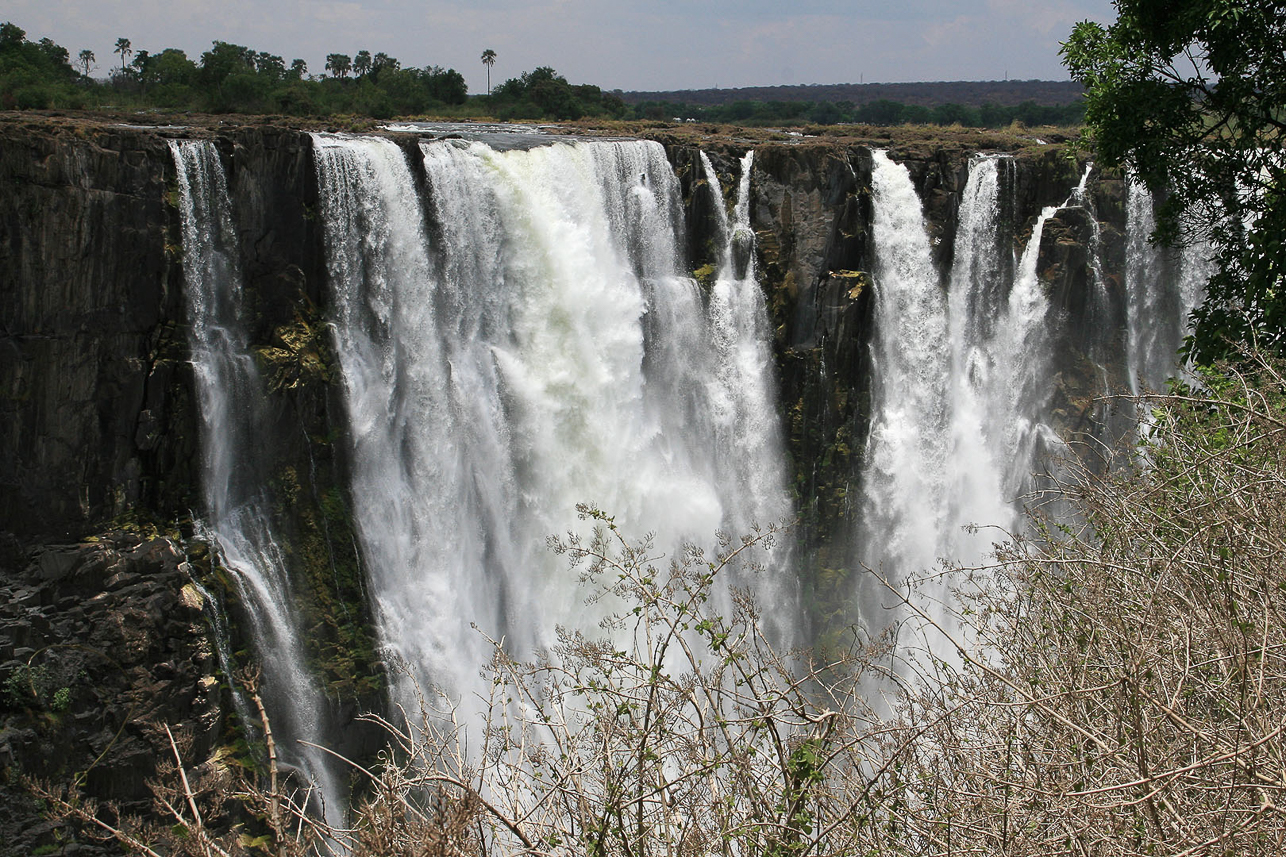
(1122, 692)
(1128, 691)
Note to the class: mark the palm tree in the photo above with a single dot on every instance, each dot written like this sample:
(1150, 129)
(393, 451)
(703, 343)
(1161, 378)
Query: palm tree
(86, 60)
(362, 63)
(123, 48)
(338, 64)
(488, 59)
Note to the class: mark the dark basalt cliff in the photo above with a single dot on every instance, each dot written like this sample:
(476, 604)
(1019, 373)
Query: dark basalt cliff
(99, 431)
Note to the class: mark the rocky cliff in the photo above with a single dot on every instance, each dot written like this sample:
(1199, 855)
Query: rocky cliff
(99, 434)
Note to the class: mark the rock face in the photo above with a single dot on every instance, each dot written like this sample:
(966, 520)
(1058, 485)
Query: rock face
(98, 421)
(92, 379)
(100, 642)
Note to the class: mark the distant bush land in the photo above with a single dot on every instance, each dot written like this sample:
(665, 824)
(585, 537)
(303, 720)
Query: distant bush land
(231, 78)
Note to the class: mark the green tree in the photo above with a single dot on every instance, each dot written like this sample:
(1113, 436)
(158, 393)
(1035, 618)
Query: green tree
(382, 63)
(1190, 95)
(85, 59)
(338, 65)
(488, 59)
(362, 63)
(123, 48)
(11, 35)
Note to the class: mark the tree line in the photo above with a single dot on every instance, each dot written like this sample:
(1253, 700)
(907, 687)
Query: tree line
(232, 78)
(881, 112)
(225, 79)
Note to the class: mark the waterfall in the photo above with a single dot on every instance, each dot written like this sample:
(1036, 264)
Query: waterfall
(237, 512)
(960, 383)
(743, 391)
(1162, 287)
(904, 510)
(518, 339)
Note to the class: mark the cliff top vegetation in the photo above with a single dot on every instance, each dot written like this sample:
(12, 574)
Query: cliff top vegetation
(231, 78)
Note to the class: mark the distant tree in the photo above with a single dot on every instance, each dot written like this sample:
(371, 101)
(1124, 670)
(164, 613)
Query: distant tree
(338, 65)
(55, 53)
(362, 63)
(488, 59)
(140, 68)
(11, 35)
(446, 85)
(881, 112)
(383, 63)
(123, 48)
(86, 59)
(171, 67)
(298, 69)
(271, 65)
(824, 113)
(223, 60)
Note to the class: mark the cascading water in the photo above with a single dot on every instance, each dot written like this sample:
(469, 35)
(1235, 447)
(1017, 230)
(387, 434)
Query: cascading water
(903, 512)
(1162, 287)
(237, 512)
(960, 384)
(742, 388)
(529, 344)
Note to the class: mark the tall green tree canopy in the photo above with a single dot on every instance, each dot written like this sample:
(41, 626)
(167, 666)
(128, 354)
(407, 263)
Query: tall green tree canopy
(1190, 95)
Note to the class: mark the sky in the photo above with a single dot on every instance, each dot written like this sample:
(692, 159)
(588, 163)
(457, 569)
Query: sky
(616, 44)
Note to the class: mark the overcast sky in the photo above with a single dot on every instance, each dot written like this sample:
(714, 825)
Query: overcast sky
(617, 44)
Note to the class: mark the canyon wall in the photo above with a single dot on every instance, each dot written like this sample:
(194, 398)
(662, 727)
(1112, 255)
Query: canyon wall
(99, 446)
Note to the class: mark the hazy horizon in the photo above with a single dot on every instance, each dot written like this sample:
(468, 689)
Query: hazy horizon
(661, 45)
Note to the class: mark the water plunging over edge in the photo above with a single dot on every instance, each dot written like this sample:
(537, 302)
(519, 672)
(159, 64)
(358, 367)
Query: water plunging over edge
(237, 512)
(519, 340)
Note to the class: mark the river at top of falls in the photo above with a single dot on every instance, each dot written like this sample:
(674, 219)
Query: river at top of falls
(237, 512)
(518, 339)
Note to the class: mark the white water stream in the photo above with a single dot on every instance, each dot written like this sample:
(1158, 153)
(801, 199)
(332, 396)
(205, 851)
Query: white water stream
(1162, 287)
(237, 512)
(523, 342)
(961, 385)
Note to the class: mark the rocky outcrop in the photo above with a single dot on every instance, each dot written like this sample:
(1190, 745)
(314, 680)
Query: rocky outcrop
(94, 414)
(101, 642)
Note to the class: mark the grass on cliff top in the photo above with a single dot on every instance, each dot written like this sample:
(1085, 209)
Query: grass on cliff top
(902, 140)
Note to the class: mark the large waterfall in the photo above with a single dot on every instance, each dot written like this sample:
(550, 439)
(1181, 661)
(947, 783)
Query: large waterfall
(525, 341)
(515, 333)
(962, 382)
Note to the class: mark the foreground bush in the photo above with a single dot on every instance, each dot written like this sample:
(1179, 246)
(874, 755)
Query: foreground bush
(1122, 692)
(1129, 696)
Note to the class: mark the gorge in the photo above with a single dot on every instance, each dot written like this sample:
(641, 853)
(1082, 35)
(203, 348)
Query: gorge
(374, 372)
